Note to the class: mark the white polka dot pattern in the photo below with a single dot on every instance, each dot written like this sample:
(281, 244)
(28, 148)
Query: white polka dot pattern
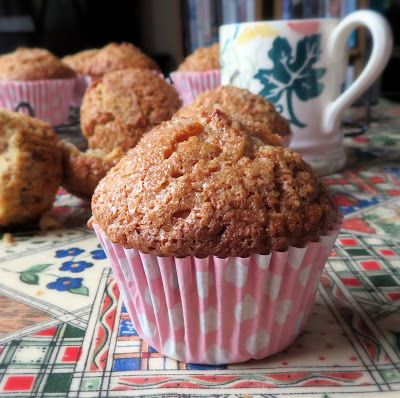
(216, 311)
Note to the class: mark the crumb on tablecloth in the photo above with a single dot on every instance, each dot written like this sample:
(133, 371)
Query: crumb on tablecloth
(48, 222)
(8, 238)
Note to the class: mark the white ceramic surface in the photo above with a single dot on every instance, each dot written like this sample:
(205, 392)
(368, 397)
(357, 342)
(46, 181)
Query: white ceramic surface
(300, 65)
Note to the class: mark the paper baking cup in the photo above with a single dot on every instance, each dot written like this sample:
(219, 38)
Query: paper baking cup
(49, 99)
(82, 82)
(218, 311)
(190, 84)
(286, 139)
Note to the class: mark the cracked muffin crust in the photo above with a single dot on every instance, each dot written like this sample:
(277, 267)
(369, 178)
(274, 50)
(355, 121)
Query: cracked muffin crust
(211, 185)
(33, 64)
(119, 108)
(82, 171)
(30, 168)
(203, 59)
(239, 103)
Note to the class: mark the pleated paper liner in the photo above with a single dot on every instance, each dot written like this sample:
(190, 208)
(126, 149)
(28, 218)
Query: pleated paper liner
(49, 99)
(218, 311)
(190, 84)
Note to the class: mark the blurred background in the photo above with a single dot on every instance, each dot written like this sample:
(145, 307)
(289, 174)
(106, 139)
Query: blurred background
(170, 29)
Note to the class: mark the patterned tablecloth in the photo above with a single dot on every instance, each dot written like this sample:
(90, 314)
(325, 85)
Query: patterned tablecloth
(64, 331)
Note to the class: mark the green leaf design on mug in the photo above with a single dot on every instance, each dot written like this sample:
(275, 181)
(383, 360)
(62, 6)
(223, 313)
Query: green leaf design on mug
(292, 75)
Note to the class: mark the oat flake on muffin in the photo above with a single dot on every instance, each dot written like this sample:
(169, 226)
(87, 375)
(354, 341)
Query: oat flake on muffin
(211, 185)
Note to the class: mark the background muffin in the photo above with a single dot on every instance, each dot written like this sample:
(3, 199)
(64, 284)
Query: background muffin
(119, 108)
(240, 103)
(81, 62)
(33, 64)
(30, 168)
(202, 59)
(199, 72)
(112, 57)
(217, 238)
(82, 171)
(38, 78)
(209, 186)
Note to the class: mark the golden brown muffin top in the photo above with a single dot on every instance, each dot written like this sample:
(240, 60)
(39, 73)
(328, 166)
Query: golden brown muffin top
(239, 103)
(116, 56)
(81, 62)
(203, 59)
(33, 64)
(118, 109)
(208, 185)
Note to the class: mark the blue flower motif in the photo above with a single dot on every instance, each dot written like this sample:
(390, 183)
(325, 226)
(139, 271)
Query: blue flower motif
(98, 254)
(65, 283)
(75, 266)
(73, 251)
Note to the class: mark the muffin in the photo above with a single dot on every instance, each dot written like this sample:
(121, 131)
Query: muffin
(82, 61)
(203, 207)
(112, 57)
(30, 168)
(33, 64)
(123, 105)
(82, 171)
(201, 60)
(199, 72)
(240, 103)
(95, 63)
(36, 77)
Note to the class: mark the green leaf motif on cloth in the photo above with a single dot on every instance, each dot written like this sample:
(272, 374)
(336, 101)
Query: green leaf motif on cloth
(80, 290)
(37, 268)
(29, 277)
(292, 75)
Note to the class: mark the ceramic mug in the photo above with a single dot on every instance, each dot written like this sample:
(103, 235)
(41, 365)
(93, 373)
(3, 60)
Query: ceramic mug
(300, 66)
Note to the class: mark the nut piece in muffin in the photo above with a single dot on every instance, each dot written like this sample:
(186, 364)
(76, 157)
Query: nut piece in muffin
(210, 185)
(81, 62)
(30, 168)
(119, 108)
(82, 171)
(33, 64)
(240, 103)
(112, 57)
(202, 59)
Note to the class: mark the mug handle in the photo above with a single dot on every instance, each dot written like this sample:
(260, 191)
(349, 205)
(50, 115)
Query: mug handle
(382, 43)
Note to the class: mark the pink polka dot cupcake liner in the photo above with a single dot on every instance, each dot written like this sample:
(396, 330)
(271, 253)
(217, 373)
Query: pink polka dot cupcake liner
(190, 84)
(218, 311)
(48, 99)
